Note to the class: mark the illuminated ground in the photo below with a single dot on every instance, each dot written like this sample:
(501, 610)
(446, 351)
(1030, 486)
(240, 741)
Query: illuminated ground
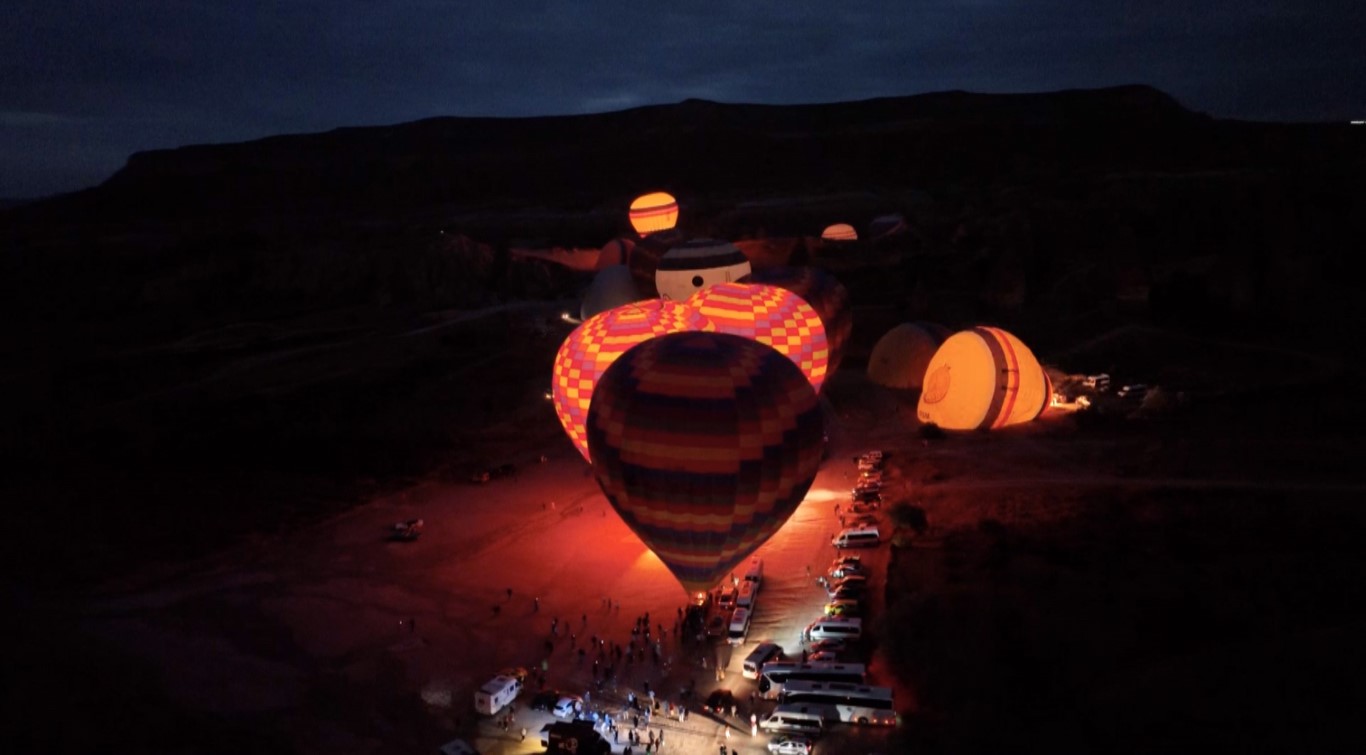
(305, 641)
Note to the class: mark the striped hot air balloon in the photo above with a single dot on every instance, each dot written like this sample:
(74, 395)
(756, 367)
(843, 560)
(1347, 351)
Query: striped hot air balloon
(592, 347)
(654, 212)
(983, 379)
(772, 316)
(704, 443)
(825, 294)
(692, 266)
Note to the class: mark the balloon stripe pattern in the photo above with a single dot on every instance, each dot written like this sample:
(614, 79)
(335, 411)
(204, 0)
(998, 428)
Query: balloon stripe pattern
(825, 294)
(772, 316)
(593, 346)
(654, 212)
(705, 443)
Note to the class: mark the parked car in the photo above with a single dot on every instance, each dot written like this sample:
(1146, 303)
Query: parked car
(846, 560)
(826, 646)
(406, 532)
(828, 656)
(853, 579)
(567, 706)
(719, 701)
(843, 607)
(789, 745)
(545, 700)
(863, 520)
(866, 505)
(856, 592)
(1136, 390)
(847, 570)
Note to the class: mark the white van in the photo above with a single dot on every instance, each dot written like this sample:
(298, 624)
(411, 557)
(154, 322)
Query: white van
(799, 719)
(754, 662)
(847, 628)
(748, 593)
(755, 572)
(496, 694)
(857, 537)
(739, 627)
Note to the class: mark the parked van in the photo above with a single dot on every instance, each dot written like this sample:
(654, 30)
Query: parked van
(748, 593)
(755, 572)
(739, 627)
(857, 537)
(847, 628)
(754, 662)
(496, 694)
(799, 719)
(727, 600)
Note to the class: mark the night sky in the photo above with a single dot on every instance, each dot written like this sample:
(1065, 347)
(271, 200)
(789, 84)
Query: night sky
(85, 83)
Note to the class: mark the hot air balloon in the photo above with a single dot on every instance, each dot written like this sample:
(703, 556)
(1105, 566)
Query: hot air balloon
(593, 346)
(839, 232)
(615, 252)
(772, 316)
(826, 295)
(612, 287)
(983, 379)
(704, 443)
(885, 226)
(645, 259)
(688, 268)
(901, 355)
(653, 212)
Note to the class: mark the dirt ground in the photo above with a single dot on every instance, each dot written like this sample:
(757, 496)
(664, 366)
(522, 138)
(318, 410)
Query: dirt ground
(1111, 582)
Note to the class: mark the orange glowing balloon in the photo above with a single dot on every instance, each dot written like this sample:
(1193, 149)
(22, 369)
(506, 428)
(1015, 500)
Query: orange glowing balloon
(982, 379)
(772, 316)
(593, 346)
(654, 212)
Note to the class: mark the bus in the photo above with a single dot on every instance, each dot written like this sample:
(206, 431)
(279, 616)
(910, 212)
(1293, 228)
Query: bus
(777, 673)
(854, 703)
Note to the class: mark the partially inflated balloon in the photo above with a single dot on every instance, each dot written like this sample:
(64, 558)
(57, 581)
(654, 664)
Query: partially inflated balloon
(592, 347)
(901, 355)
(770, 315)
(704, 443)
(983, 379)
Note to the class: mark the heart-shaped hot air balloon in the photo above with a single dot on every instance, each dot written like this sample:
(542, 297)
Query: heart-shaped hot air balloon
(825, 294)
(772, 316)
(592, 347)
(704, 443)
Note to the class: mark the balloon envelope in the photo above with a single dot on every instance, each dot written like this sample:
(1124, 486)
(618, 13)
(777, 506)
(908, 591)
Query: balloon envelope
(839, 232)
(704, 443)
(592, 347)
(653, 212)
(772, 316)
(686, 269)
(982, 379)
(825, 294)
(901, 355)
(612, 287)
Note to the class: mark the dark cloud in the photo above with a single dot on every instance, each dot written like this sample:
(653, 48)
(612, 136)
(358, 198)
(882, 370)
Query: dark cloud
(83, 83)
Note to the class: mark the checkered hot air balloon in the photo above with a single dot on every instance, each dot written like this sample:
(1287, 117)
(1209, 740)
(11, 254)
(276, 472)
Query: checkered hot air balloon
(771, 315)
(704, 443)
(592, 347)
(825, 294)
